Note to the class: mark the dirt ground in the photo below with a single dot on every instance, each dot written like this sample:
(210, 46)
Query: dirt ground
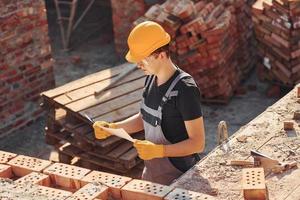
(93, 50)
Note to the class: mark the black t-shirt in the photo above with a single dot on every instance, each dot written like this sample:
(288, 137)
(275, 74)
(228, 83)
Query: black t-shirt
(183, 107)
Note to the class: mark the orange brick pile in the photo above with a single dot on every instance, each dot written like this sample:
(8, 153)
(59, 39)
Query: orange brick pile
(23, 177)
(25, 61)
(124, 13)
(209, 42)
(277, 28)
(246, 53)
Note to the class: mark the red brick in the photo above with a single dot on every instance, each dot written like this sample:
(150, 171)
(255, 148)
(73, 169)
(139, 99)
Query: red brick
(138, 189)
(52, 193)
(35, 178)
(5, 171)
(6, 156)
(253, 181)
(114, 182)
(90, 191)
(296, 54)
(23, 165)
(67, 176)
(178, 193)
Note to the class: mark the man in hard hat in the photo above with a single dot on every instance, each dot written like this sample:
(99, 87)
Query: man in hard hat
(170, 112)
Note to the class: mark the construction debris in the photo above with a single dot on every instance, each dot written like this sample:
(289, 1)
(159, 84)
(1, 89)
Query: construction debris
(288, 125)
(265, 135)
(276, 25)
(211, 41)
(296, 115)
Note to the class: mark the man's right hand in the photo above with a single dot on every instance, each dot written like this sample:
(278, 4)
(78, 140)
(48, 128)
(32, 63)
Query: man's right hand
(99, 132)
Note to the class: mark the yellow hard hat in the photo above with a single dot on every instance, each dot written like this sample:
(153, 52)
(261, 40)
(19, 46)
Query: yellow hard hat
(144, 39)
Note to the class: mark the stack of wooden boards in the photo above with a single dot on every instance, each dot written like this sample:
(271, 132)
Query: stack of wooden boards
(69, 130)
(29, 178)
(213, 41)
(277, 28)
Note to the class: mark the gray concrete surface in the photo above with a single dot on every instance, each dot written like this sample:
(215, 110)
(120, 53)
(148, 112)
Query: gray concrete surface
(93, 51)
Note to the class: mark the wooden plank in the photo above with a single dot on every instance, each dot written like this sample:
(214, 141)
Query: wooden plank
(120, 114)
(120, 150)
(69, 126)
(103, 151)
(129, 155)
(85, 129)
(90, 79)
(99, 160)
(70, 150)
(92, 100)
(62, 136)
(90, 89)
(103, 163)
(107, 142)
(101, 109)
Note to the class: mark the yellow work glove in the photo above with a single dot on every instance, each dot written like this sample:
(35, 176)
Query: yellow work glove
(148, 150)
(99, 132)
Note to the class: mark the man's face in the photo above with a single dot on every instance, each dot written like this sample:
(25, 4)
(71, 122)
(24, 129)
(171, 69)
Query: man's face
(149, 65)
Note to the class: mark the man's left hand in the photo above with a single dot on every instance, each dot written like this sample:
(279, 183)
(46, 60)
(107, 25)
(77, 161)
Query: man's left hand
(148, 150)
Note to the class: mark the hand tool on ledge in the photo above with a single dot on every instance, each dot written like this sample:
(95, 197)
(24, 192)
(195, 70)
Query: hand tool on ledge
(270, 164)
(223, 136)
(122, 75)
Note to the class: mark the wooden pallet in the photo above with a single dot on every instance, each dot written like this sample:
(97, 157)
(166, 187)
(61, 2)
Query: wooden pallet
(112, 153)
(67, 106)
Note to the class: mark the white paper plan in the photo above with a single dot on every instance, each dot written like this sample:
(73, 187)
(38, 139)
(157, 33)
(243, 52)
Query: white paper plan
(119, 132)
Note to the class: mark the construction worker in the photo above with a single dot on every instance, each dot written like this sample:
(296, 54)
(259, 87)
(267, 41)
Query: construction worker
(170, 111)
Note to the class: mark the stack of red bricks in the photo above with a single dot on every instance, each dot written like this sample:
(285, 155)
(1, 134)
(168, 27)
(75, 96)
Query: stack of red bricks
(124, 13)
(246, 53)
(277, 28)
(25, 61)
(23, 177)
(208, 42)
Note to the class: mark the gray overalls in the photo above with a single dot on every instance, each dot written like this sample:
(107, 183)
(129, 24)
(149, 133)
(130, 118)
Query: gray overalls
(159, 170)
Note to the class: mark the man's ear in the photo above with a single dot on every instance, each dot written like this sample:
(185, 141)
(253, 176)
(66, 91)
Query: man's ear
(162, 55)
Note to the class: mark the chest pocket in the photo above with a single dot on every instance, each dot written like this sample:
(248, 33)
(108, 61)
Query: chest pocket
(170, 106)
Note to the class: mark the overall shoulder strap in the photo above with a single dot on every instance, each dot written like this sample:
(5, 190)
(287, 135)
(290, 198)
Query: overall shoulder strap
(149, 82)
(180, 76)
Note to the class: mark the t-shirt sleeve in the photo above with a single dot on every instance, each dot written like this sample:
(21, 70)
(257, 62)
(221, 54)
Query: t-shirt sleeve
(189, 100)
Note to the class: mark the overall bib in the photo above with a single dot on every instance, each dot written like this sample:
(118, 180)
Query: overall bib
(159, 170)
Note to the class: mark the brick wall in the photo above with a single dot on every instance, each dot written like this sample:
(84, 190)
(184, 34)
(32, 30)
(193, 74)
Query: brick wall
(125, 12)
(25, 61)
